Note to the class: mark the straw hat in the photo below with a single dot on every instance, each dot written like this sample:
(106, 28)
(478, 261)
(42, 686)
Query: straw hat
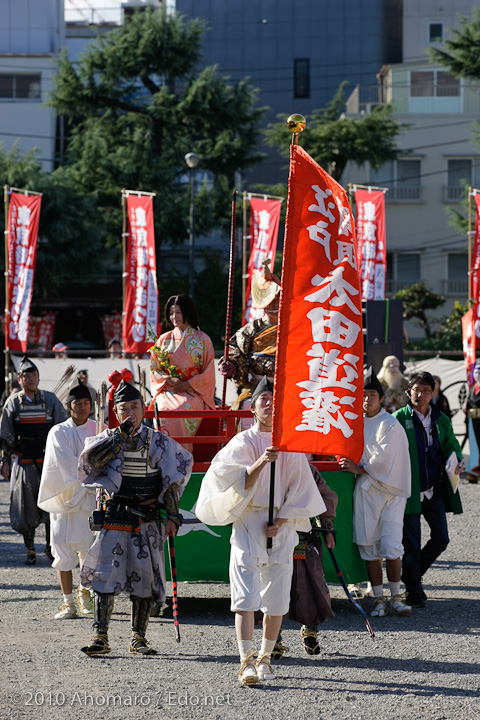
(265, 286)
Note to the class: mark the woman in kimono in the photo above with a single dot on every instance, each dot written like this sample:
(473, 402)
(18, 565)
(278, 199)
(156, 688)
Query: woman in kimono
(182, 368)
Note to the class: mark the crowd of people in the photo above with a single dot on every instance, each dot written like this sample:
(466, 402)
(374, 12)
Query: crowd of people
(110, 497)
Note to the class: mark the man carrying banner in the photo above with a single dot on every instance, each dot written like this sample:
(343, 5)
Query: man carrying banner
(431, 442)
(236, 490)
(381, 492)
(68, 503)
(26, 420)
(141, 470)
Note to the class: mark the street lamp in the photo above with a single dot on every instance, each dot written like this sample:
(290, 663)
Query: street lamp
(192, 161)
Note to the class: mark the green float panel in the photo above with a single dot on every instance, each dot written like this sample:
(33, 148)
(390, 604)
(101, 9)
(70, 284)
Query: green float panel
(202, 553)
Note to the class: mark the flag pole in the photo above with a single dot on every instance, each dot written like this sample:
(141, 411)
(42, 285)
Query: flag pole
(470, 194)
(228, 321)
(6, 191)
(244, 255)
(296, 124)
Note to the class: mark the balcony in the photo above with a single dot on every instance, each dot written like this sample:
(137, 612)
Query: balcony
(393, 286)
(405, 194)
(454, 193)
(456, 288)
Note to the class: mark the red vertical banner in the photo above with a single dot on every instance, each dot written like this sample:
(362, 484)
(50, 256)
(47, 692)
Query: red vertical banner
(469, 343)
(23, 219)
(141, 293)
(41, 331)
(264, 221)
(475, 267)
(371, 243)
(318, 403)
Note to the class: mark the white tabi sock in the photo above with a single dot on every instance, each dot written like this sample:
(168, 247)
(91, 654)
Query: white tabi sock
(243, 647)
(266, 646)
(377, 590)
(69, 599)
(394, 588)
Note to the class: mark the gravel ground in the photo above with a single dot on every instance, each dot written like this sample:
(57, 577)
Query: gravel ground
(422, 666)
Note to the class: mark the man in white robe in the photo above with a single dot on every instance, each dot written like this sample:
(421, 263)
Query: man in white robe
(68, 503)
(236, 490)
(381, 492)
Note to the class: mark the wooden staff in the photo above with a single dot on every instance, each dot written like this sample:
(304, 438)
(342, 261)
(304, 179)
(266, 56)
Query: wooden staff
(271, 505)
(228, 322)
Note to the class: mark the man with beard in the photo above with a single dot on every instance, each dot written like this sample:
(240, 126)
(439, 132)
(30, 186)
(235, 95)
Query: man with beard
(394, 384)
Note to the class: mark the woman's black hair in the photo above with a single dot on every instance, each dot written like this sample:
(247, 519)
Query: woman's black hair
(186, 305)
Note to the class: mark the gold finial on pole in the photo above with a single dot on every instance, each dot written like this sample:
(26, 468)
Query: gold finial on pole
(296, 124)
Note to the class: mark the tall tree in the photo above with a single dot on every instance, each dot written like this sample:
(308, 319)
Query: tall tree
(137, 103)
(69, 237)
(333, 139)
(462, 53)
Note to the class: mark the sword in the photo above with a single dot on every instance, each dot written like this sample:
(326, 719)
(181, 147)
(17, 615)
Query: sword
(173, 573)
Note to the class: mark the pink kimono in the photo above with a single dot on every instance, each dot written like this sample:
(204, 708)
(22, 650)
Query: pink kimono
(188, 355)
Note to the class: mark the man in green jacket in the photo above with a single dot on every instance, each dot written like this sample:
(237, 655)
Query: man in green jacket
(431, 441)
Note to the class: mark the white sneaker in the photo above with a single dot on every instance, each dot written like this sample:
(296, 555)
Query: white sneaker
(399, 607)
(380, 607)
(247, 675)
(66, 612)
(263, 667)
(85, 602)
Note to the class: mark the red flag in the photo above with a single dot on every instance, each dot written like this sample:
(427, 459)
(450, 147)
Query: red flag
(319, 365)
(141, 293)
(41, 331)
(371, 244)
(264, 219)
(23, 218)
(469, 342)
(475, 268)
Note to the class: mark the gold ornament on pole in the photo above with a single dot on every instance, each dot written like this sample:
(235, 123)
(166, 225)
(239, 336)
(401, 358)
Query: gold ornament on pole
(296, 124)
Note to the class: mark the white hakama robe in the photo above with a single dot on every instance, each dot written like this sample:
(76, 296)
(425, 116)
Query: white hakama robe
(223, 499)
(130, 562)
(61, 494)
(382, 490)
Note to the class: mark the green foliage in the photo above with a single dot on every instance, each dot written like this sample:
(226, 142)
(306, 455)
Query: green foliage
(447, 337)
(462, 54)
(333, 140)
(69, 241)
(417, 299)
(136, 104)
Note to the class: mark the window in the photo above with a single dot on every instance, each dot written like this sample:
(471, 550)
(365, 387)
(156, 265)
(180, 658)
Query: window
(403, 270)
(301, 78)
(460, 172)
(20, 87)
(435, 32)
(433, 83)
(403, 179)
(457, 282)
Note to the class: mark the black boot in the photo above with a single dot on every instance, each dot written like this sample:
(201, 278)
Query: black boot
(279, 649)
(102, 612)
(141, 608)
(29, 541)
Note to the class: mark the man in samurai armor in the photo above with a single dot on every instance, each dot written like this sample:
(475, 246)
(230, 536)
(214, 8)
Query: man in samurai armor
(26, 420)
(141, 471)
(252, 349)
